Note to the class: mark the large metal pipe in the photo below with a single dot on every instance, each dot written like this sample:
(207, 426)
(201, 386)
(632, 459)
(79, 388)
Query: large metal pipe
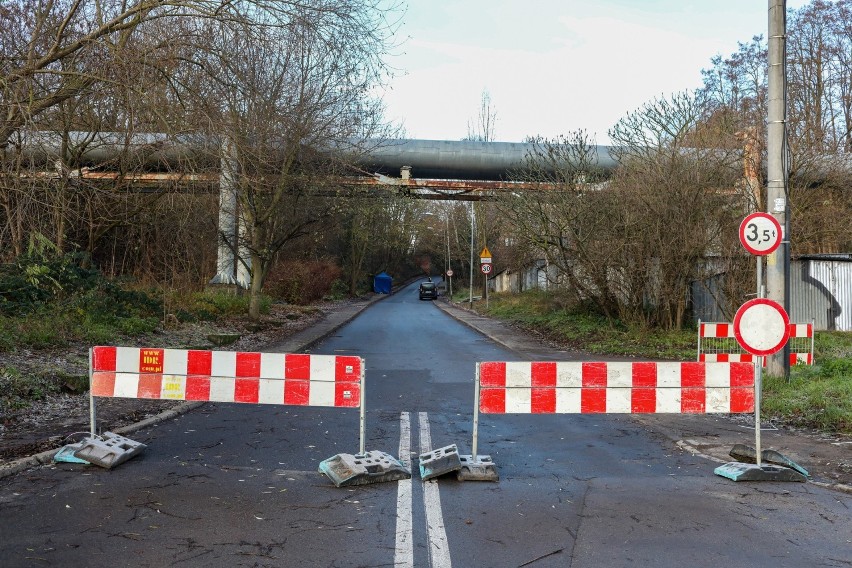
(429, 159)
(147, 151)
(438, 159)
(464, 159)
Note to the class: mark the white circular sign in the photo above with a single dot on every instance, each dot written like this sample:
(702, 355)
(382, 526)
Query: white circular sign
(449, 273)
(485, 268)
(760, 233)
(761, 326)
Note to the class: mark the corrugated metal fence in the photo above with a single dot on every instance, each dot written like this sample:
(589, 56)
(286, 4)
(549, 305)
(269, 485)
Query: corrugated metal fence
(820, 290)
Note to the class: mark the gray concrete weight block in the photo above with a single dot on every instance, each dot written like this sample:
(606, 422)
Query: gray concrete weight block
(479, 469)
(361, 469)
(108, 451)
(440, 461)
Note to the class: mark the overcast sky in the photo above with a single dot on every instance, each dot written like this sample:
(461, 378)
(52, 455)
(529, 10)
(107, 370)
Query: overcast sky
(555, 66)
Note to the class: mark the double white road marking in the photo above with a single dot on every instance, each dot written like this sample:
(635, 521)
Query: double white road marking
(439, 551)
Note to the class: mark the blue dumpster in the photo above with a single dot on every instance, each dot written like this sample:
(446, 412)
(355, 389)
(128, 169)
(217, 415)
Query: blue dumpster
(382, 283)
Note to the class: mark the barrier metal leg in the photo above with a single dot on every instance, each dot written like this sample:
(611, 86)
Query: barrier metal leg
(739, 471)
(474, 445)
(698, 357)
(364, 467)
(475, 467)
(812, 340)
(66, 453)
(92, 412)
(362, 444)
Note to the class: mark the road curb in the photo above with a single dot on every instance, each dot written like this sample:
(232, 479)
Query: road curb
(46, 457)
(449, 308)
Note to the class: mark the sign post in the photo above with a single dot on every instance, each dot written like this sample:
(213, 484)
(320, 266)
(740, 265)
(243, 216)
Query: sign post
(485, 268)
(760, 234)
(762, 327)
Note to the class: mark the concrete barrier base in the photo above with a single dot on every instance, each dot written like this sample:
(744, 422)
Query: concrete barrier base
(361, 469)
(737, 471)
(439, 462)
(479, 469)
(108, 451)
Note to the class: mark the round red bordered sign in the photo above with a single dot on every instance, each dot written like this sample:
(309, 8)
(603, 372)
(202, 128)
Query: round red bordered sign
(762, 326)
(760, 234)
(485, 268)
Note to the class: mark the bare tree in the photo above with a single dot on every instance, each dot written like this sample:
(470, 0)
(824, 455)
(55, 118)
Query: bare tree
(53, 51)
(72, 69)
(841, 49)
(631, 245)
(281, 83)
(676, 203)
(819, 103)
(563, 224)
(483, 128)
(288, 93)
(373, 225)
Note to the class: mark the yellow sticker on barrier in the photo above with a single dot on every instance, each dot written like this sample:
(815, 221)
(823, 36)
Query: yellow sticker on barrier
(173, 387)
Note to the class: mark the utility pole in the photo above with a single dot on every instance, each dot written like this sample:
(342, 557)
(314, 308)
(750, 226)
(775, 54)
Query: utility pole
(776, 185)
(472, 231)
(449, 262)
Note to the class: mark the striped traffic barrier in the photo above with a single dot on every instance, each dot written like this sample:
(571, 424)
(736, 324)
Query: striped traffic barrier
(717, 344)
(604, 388)
(232, 376)
(228, 376)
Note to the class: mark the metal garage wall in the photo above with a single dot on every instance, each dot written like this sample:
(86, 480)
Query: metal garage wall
(821, 289)
(704, 299)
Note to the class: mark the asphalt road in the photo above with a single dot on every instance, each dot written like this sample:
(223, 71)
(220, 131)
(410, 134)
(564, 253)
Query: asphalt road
(237, 485)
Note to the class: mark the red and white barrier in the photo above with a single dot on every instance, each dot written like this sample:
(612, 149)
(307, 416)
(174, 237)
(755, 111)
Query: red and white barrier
(604, 387)
(719, 330)
(547, 387)
(795, 358)
(228, 376)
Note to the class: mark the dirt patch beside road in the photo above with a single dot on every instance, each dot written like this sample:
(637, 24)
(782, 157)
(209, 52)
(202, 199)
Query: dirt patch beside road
(826, 457)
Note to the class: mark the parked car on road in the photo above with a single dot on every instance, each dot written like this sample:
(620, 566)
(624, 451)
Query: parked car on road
(428, 291)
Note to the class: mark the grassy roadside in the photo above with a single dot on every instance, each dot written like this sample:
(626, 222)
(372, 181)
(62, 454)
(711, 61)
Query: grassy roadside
(36, 359)
(818, 396)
